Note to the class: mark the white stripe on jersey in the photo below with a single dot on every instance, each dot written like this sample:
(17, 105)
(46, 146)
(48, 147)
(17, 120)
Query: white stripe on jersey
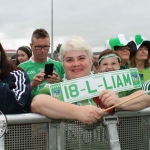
(20, 83)
(146, 85)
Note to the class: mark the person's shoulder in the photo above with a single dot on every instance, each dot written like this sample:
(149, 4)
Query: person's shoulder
(147, 82)
(145, 70)
(18, 72)
(146, 85)
(44, 90)
(128, 92)
(55, 62)
(17, 75)
(25, 63)
(148, 68)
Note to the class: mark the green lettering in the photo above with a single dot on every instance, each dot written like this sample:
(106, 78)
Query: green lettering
(113, 81)
(107, 87)
(119, 82)
(66, 91)
(88, 87)
(126, 79)
(73, 90)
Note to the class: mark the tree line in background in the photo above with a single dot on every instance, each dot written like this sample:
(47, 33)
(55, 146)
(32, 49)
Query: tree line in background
(56, 52)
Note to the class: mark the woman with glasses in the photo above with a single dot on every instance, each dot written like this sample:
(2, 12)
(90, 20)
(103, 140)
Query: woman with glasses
(123, 48)
(140, 58)
(14, 87)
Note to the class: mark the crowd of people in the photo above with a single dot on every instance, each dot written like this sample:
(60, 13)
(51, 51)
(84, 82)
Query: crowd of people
(25, 87)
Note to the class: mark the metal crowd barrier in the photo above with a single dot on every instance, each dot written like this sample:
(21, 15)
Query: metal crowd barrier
(123, 131)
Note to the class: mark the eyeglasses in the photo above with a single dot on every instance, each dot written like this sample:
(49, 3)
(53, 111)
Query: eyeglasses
(122, 48)
(40, 47)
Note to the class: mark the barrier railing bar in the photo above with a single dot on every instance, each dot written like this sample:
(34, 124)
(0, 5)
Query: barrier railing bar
(143, 112)
(37, 118)
(56, 128)
(26, 118)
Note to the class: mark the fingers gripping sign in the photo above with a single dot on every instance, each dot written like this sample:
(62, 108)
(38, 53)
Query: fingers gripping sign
(108, 98)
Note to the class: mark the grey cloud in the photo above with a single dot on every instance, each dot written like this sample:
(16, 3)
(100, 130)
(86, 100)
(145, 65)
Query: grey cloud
(94, 20)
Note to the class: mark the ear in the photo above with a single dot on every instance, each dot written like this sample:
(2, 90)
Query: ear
(31, 45)
(99, 67)
(91, 63)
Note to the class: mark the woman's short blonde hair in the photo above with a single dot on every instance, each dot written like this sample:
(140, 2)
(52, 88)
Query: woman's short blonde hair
(75, 43)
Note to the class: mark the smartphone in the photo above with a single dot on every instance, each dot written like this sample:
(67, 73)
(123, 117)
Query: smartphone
(48, 69)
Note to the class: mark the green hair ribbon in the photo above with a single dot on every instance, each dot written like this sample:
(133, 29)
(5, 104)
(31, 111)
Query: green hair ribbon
(109, 55)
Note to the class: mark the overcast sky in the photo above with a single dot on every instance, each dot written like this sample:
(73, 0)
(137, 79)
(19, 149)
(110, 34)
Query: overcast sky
(94, 20)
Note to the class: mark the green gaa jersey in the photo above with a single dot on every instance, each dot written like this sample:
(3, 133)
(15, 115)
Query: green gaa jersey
(32, 68)
(144, 74)
(124, 67)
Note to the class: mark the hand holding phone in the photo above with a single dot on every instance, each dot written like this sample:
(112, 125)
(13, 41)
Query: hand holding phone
(48, 69)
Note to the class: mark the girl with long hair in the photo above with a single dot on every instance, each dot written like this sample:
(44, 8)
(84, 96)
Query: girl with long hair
(14, 87)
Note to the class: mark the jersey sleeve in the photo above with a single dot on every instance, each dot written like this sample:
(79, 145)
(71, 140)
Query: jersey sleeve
(146, 86)
(44, 90)
(15, 93)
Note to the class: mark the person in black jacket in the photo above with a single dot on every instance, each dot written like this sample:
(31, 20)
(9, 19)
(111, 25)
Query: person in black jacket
(14, 87)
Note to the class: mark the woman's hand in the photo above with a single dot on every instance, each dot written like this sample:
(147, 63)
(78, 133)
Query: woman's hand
(109, 98)
(89, 114)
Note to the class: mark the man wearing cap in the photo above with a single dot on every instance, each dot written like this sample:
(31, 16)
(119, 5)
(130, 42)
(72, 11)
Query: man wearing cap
(123, 48)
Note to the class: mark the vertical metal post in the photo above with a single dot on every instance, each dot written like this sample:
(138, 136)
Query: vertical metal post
(51, 29)
(2, 142)
(112, 132)
(56, 135)
(52, 136)
(61, 136)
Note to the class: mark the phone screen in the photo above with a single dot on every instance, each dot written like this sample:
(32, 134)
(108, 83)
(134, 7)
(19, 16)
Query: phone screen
(48, 69)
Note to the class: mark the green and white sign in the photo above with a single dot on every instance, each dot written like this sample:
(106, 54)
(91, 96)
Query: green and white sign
(90, 86)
